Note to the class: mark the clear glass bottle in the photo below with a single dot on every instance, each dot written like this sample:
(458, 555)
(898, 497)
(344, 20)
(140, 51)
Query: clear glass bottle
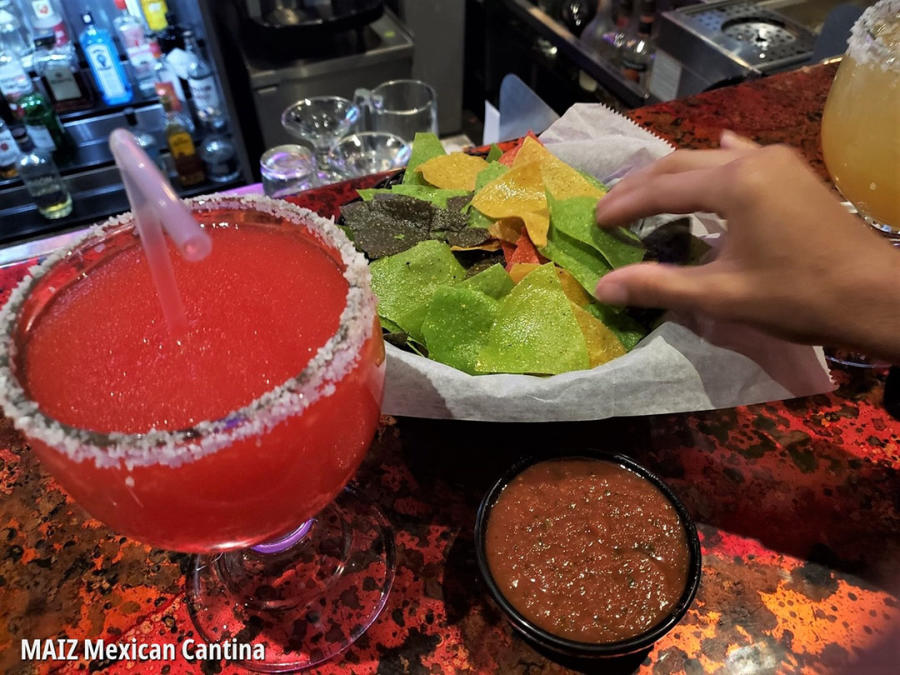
(42, 180)
(218, 154)
(103, 58)
(145, 140)
(136, 45)
(619, 35)
(15, 35)
(201, 82)
(65, 84)
(188, 164)
(14, 81)
(637, 53)
(9, 153)
(47, 19)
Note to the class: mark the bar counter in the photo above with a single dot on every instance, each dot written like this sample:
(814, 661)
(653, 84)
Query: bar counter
(797, 503)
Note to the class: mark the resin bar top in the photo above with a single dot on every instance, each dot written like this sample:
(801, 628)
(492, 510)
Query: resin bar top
(796, 504)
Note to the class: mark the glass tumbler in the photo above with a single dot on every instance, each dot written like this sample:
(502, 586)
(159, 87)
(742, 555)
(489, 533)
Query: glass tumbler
(287, 170)
(401, 107)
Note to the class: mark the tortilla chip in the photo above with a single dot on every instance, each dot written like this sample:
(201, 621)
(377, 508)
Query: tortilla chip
(525, 251)
(518, 271)
(573, 290)
(494, 153)
(574, 217)
(535, 330)
(628, 331)
(456, 325)
(506, 229)
(477, 219)
(602, 344)
(493, 171)
(537, 225)
(561, 180)
(456, 171)
(517, 192)
(508, 251)
(425, 146)
(404, 283)
(509, 156)
(583, 262)
(494, 282)
(433, 195)
(492, 245)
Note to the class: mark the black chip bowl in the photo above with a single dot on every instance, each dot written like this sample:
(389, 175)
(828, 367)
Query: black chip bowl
(584, 650)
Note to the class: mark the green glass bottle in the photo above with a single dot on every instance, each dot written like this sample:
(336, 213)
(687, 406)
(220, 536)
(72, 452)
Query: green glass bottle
(43, 125)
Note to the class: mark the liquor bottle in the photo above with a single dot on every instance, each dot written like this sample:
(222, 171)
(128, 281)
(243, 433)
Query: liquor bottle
(576, 14)
(46, 19)
(43, 125)
(218, 154)
(619, 35)
(14, 81)
(137, 46)
(169, 86)
(145, 140)
(103, 59)
(202, 83)
(57, 66)
(9, 153)
(637, 54)
(15, 37)
(188, 164)
(592, 37)
(155, 13)
(42, 180)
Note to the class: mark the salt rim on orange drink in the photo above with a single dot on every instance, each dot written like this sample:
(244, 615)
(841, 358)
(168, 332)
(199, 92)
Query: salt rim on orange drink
(875, 37)
(333, 360)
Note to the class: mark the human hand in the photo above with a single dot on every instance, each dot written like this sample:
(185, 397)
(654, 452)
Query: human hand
(794, 262)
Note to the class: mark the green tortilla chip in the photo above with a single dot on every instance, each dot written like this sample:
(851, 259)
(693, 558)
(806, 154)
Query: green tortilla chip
(494, 282)
(574, 217)
(457, 324)
(477, 219)
(583, 262)
(425, 146)
(494, 153)
(493, 170)
(593, 181)
(535, 330)
(629, 331)
(404, 283)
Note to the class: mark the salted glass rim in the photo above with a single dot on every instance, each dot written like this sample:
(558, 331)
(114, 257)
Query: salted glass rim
(864, 46)
(331, 363)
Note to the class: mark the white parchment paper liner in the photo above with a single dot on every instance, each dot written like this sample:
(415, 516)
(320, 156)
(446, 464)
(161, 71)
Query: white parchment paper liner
(689, 363)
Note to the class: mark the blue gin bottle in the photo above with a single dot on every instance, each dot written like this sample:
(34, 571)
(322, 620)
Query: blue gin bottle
(103, 58)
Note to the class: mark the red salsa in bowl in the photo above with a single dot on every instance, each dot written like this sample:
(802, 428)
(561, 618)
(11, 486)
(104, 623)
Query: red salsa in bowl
(588, 556)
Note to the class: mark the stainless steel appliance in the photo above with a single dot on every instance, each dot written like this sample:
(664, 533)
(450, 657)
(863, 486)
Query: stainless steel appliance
(379, 51)
(709, 45)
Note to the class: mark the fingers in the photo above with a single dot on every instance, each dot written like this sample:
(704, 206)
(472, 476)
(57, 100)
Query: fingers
(683, 192)
(655, 285)
(732, 141)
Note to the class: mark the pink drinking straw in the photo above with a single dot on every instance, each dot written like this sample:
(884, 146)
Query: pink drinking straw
(155, 207)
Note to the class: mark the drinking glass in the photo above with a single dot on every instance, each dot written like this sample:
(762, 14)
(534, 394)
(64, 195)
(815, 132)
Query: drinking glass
(233, 490)
(369, 152)
(860, 137)
(287, 170)
(321, 121)
(401, 107)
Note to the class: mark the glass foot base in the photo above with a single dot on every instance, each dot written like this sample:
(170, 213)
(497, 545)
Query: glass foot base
(851, 359)
(304, 604)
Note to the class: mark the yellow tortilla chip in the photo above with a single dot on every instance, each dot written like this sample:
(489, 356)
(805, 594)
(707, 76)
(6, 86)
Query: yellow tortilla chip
(602, 343)
(515, 193)
(537, 224)
(521, 270)
(560, 180)
(506, 229)
(574, 291)
(486, 246)
(456, 171)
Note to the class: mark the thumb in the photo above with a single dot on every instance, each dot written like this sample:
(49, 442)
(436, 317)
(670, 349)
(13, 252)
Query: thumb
(654, 285)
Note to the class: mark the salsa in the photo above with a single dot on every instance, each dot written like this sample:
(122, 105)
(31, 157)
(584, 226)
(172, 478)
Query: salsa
(587, 549)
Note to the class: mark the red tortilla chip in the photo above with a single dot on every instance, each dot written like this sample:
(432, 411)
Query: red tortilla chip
(525, 251)
(508, 157)
(508, 252)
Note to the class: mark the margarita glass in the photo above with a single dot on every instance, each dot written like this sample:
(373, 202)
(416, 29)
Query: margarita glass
(860, 139)
(233, 440)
